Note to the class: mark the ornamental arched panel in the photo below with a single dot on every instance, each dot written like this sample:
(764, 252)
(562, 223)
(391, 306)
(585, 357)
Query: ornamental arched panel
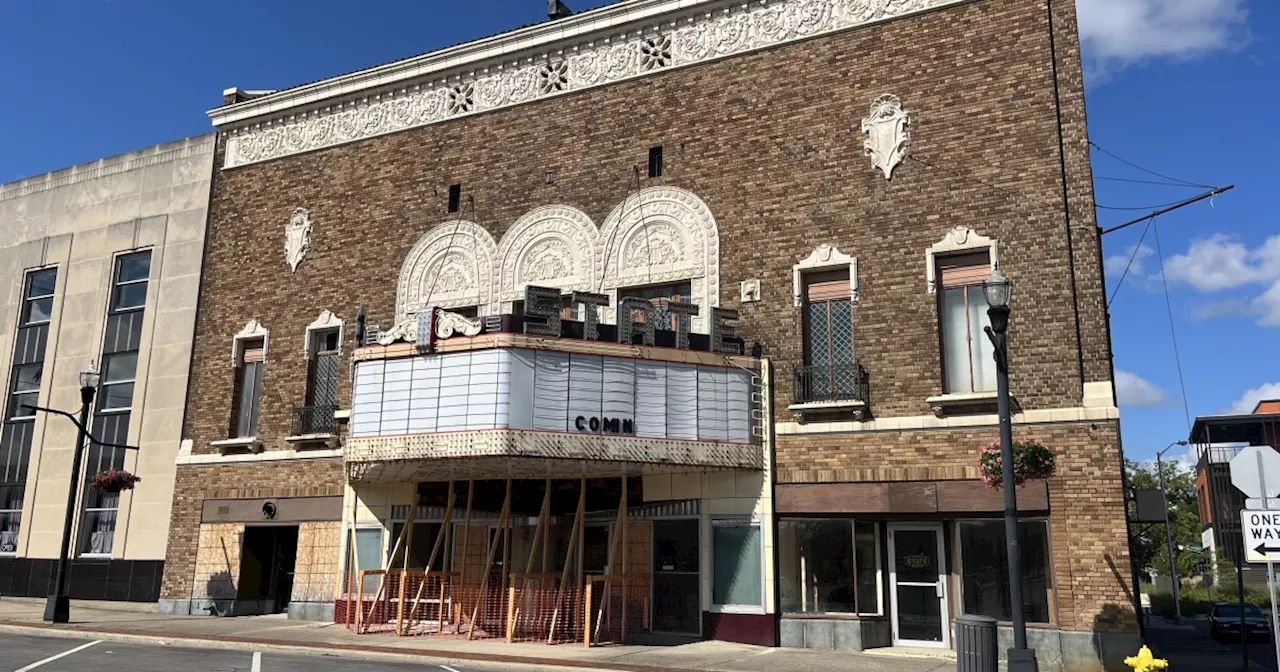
(550, 246)
(662, 235)
(451, 266)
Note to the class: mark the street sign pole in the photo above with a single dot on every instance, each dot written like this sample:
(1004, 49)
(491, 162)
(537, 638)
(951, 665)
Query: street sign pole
(1271, 573)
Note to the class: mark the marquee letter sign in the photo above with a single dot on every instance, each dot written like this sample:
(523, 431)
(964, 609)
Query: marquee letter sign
(542, 311)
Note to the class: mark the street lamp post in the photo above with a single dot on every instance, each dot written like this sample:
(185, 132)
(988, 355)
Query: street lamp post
(1168, 531)
(998, 290)
(57, 608)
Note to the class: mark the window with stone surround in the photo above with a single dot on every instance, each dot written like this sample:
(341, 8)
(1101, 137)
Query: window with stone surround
(967, 353)
(248, 389)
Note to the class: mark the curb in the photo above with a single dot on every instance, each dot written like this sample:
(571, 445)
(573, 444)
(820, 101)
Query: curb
(324, 649)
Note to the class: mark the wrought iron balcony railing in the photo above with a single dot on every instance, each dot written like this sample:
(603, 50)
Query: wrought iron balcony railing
(308, 420)
(831, 382)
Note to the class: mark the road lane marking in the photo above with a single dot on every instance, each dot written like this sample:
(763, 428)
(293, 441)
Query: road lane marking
(447, 668)
(257, 662)
(64, 654)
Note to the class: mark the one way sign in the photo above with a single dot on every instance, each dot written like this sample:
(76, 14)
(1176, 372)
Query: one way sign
(1261, 535)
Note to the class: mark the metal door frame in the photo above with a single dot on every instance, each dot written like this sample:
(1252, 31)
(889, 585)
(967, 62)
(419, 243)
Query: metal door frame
(653, 573)
(945, 599)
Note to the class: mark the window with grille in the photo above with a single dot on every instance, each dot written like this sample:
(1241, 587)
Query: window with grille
(830, 372)
(967, 354)
(660, 296)
(25, 379)
(249, 374)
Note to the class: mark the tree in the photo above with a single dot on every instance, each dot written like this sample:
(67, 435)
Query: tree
(1148, 545)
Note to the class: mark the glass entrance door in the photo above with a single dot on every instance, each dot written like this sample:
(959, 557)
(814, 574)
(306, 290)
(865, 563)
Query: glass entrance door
(917, 579)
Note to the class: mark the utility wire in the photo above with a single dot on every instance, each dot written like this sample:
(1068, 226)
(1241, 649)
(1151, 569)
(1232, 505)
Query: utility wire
(1136, 207)
(1173, 334)
(1133, 256)
(1155, 182)
(1131, 164)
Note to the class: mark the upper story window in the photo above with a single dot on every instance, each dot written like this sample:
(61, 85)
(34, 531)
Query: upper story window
(37, 303)
(967, 354)
(25, 391)
(119, 372)
(828, 319)
(129, 291)
(660, 296)
(249, 372)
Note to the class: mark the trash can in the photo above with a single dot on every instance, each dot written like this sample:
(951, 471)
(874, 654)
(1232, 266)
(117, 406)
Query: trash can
(976, 644)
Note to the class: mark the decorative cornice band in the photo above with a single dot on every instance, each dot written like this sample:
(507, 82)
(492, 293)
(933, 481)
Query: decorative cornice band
(516, 68)
(174, 151)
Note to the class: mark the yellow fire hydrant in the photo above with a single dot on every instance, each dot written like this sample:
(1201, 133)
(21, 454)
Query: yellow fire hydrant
(1145, 662)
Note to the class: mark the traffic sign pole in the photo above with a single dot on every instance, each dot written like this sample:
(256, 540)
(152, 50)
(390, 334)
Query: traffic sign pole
(1271, 573)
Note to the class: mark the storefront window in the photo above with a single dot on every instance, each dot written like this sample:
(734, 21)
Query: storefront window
(737, 569)
(829, 566)
(985, 569)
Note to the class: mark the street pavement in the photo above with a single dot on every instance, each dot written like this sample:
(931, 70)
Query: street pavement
(1188, 648)
(28, 653)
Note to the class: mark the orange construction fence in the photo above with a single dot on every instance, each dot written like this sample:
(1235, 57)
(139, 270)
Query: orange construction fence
(535, 607)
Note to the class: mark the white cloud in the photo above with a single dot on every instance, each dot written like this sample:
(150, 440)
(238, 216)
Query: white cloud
(1222, 262)
(1115, 264)
(1249, 400)
(1134, 390)
(1116, 33)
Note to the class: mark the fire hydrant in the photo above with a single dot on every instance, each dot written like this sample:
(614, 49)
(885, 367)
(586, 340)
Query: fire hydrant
(1145, 662)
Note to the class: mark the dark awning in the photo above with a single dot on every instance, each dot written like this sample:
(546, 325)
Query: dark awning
(1232, 428)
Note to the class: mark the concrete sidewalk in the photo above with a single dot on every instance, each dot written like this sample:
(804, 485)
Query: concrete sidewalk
(279, 634)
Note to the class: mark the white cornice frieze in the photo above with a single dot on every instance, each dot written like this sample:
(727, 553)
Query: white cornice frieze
(613, 44)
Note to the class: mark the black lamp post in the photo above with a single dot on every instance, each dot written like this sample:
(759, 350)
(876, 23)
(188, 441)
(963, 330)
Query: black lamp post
(998, 290)
(57, 608)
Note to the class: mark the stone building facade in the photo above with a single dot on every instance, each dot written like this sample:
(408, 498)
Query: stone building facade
(842, 174)
(99, 264)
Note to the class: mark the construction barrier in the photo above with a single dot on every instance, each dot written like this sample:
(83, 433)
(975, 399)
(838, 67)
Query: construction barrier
(537, 607)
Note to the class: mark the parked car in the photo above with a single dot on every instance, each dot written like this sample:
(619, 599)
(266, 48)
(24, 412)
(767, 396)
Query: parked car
(1224, 621)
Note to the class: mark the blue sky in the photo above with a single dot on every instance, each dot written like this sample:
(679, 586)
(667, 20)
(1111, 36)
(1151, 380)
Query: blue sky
(1187, 88)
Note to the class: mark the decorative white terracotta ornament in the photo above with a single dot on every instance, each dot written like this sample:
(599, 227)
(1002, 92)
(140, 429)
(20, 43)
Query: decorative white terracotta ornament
(449, 324)
(887, 135)
(297, 238)
(423, 95)
(749, 291)
(405, 331)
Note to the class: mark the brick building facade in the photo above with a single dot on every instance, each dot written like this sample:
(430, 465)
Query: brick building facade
(727, 155)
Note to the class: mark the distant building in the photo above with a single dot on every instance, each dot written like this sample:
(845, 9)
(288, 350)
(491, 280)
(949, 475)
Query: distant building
(1218, 439)
(99, 263)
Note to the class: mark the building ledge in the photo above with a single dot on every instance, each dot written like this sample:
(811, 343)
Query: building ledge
(969, 402)
(342, 414)
(244, 444)
(809, 409)
(303, 441)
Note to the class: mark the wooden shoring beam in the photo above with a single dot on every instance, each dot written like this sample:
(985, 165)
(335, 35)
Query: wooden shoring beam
(503, 520)
(352, 565)
(382, 585)
(417, 598)
(503, 595)
(407, 534)
(569, 550)
(625, 552)
(466, 534)
(619, 535)
(517, 596)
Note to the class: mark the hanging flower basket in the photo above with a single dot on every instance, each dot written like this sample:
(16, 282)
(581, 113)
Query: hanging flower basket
(1031, 461)
(114, 481)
